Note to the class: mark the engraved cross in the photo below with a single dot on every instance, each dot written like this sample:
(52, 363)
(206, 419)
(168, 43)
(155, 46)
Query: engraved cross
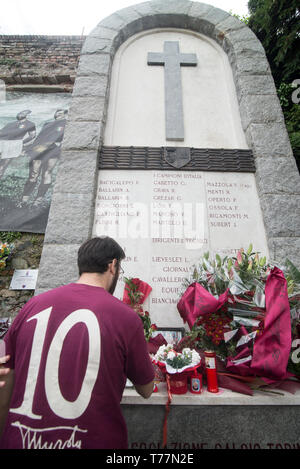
(172, 60)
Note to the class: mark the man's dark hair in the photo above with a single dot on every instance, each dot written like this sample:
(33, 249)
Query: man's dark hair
(95, 254)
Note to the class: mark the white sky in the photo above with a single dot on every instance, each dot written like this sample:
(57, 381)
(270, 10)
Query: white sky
(64, 17)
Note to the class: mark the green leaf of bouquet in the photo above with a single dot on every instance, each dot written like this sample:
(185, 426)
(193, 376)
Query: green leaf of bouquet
(293, 271)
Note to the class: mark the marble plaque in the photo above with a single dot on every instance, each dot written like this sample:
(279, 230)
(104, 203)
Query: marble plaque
(165, 221)
(24, 279)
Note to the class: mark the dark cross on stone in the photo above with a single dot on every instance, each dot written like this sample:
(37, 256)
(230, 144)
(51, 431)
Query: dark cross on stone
(172, 60)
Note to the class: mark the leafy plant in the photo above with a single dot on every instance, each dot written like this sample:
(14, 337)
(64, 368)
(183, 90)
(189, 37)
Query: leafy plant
(243, 19)
(292, 275)
(242, 273)
(9, 236)
(5, 253)
(9, 61)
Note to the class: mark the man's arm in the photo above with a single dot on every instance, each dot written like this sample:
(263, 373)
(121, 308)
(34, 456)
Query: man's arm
(5, 396)
(145, 390)
(139, 366)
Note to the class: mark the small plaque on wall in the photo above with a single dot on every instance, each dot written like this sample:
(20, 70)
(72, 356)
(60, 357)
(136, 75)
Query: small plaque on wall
(24, 279)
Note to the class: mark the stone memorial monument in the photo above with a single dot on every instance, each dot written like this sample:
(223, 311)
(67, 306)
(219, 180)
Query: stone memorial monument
(176, 145)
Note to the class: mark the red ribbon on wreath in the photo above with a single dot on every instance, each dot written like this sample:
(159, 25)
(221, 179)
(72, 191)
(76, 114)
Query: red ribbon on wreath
(196, 301)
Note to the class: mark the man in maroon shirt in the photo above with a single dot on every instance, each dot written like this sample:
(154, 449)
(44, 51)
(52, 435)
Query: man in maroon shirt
(71, 350)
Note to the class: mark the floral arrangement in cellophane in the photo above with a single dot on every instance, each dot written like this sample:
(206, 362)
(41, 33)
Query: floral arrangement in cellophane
(231, 304)
(135, 293)
(174, 361)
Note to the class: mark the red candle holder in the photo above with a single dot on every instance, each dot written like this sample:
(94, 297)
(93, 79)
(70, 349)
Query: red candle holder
(211, 371)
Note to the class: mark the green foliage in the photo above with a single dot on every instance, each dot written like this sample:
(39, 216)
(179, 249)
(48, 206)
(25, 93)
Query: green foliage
(9, 236)
(293, 271)
(276, 24)
(243, 19)
(291, 113)
(244, 271)
(292, 119)
(293, 367)
(9, 62)
(179, 361)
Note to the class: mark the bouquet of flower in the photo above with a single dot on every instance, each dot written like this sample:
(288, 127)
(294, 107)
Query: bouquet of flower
(235, 305)
(135, 293)
(177, 362)
(149, 328)
(6, 251)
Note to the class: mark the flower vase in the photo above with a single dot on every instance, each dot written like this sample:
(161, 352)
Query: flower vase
(178, 383)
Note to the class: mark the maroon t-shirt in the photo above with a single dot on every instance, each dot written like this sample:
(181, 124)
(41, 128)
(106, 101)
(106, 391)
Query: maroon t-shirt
(72, 349)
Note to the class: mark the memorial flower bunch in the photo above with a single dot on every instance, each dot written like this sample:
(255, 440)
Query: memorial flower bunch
(135, 292)
(227, 303)
(149, 328)
(6, 251)
(243, 277)
(244, 274)
(177, 361)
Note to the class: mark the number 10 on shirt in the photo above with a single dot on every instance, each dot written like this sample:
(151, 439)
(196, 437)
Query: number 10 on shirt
(58, 404)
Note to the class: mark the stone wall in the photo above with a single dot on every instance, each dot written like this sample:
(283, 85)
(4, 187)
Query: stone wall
(35, 61)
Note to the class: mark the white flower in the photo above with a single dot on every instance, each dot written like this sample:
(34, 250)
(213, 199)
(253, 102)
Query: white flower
(162, 352)
(195, 357)
(166, 352)
(171, 355)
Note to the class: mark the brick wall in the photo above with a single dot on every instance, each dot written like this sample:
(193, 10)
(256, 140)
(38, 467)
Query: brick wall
(39, 60)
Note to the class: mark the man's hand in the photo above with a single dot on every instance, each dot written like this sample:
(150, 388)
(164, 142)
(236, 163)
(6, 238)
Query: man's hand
(145, 390)
(3, 371)
(6, 390)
